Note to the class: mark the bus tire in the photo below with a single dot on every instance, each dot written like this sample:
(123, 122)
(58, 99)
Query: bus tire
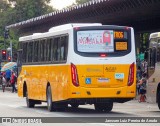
(158, 99)
(103, 107)
(74, 105)
(30, 102)
(50, 104)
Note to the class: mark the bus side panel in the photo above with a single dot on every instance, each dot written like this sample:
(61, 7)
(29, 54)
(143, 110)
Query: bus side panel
(28, 77)
(59, 78)
(153, 82)
(37, 78)
(20, 86)
(20, 83)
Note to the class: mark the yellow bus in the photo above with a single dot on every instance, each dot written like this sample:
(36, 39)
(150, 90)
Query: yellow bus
(78, 64)
(153, 59)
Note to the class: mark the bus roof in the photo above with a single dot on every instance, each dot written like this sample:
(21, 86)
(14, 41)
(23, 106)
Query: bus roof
(73, 25)
(154, 35)
(58, 28)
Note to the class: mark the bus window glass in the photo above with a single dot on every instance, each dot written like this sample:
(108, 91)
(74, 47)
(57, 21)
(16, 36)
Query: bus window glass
(63, 48)
(19, 54)
(95, 41)
(35, 51)
(39, 51)
(24, 46)
(152, 57)
(59, 49)
(158, 54)
(56, 49)
(51, 49)
(54, 46)
(30, 48)
(20, 45)
(48, 49)
(45, 50)
(66, 48)
(42, 50)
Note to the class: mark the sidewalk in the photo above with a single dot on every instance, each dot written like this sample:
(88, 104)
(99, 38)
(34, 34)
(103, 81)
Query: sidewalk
(6, 88)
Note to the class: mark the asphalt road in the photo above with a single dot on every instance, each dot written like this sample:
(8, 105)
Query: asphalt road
(13, 106)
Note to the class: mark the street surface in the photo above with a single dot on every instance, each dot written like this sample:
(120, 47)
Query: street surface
(13, 106)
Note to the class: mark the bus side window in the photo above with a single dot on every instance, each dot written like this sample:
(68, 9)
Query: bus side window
(24, 53)
(19, 61)
(64, 47)
(35, 51)
(158, 54)
(48, 49)
(52, 50)
(45, 50)
(54, 47)
(58, 49)
(42, 50)
(30, 49)
(152, 57)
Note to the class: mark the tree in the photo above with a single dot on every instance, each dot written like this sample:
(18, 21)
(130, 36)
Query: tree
(26, 9)
(4, 11)
(82, 1)
(4, 7)
(78, 2)
(13, 11)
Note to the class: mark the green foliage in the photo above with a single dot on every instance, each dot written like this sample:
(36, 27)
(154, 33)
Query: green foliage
(144, 41)
(14, 11)
(78, 2)
(1, 42)
(26, 9)
(4, 8)
(82, 1)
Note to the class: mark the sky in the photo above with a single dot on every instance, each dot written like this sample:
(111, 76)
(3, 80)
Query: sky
(60, 4)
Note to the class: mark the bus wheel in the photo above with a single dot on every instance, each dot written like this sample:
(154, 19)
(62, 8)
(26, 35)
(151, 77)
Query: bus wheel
(74, 105)
(158, 99)
(103, 107)
(50, 104)
(30, 102)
